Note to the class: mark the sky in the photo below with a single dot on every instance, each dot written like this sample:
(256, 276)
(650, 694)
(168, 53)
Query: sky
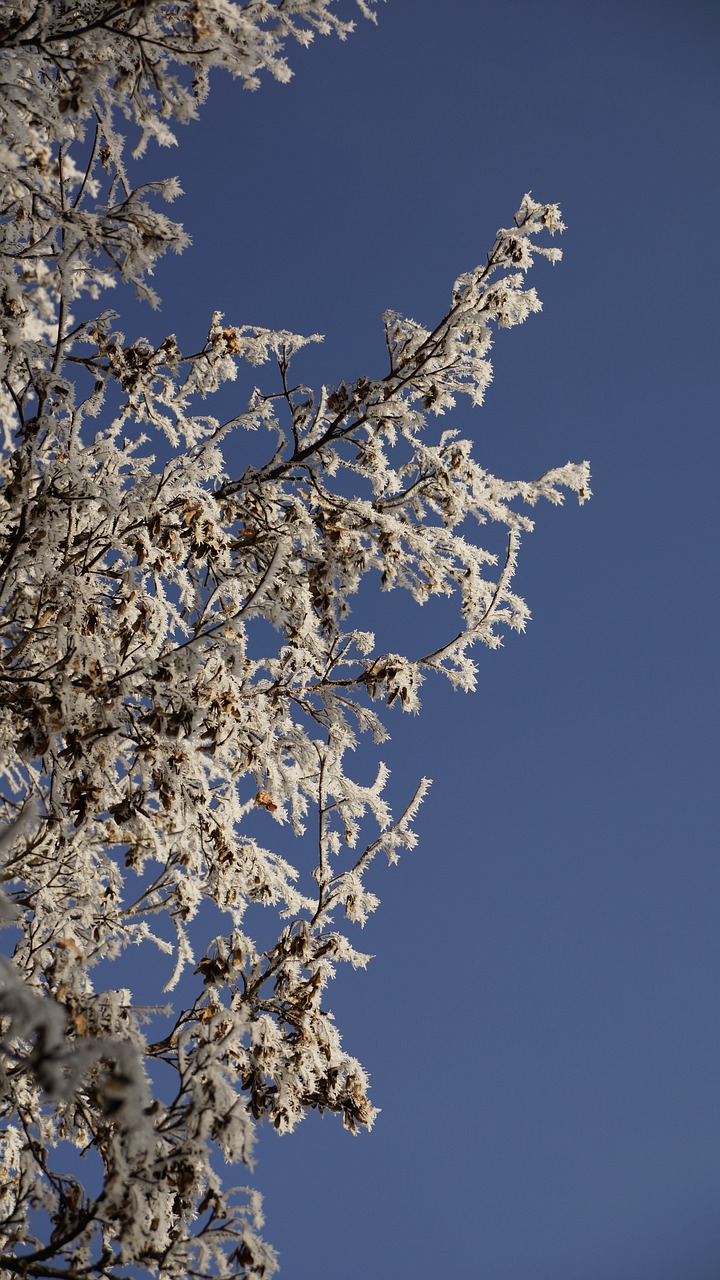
(542, 1017)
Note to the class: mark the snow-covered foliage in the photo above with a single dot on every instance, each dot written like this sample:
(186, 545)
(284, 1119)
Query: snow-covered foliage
(146, 736)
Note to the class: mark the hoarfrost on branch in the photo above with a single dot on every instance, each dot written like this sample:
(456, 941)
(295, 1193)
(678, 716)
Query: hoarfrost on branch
(139, 728)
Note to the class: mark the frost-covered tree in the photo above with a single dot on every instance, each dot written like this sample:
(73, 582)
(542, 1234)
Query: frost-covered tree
(148, 726)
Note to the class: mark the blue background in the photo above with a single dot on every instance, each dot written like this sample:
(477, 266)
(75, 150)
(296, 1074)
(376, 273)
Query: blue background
(542, 1019)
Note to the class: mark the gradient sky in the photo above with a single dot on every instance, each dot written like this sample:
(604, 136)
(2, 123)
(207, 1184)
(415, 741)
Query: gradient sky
(542, 1019)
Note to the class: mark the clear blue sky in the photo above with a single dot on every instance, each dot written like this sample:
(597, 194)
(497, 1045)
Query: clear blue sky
(542, 1020)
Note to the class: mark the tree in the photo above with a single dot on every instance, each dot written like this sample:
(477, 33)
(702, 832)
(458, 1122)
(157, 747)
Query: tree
(146, 721)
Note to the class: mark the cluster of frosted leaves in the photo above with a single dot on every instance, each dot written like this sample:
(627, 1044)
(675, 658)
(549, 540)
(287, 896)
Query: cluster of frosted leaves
(141, 730)
(71, 220)
(179, 679)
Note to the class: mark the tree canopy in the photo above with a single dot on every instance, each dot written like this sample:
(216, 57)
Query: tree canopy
(177, 656)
